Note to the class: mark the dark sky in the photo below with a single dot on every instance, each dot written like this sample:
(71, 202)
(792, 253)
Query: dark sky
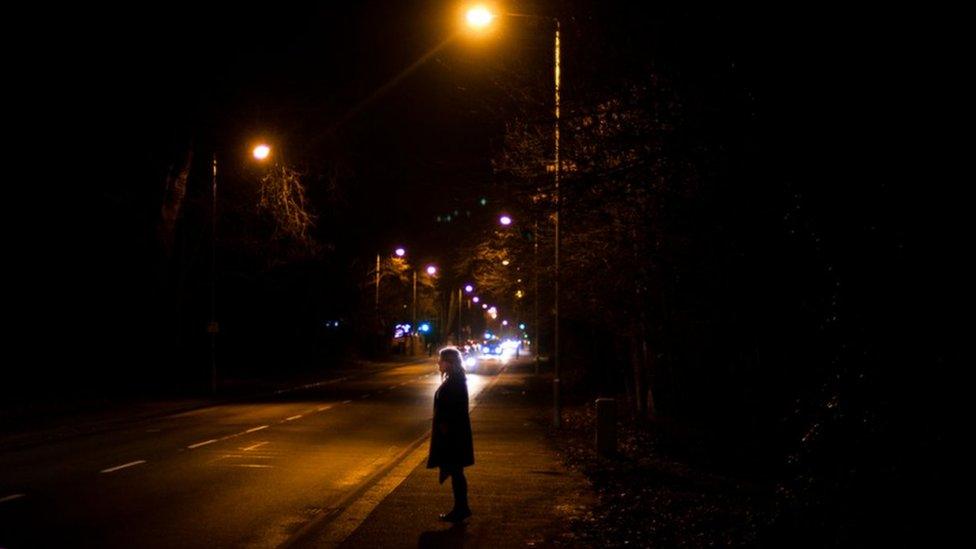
(163, 76)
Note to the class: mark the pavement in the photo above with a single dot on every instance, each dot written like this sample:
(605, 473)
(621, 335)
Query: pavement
(520, 493)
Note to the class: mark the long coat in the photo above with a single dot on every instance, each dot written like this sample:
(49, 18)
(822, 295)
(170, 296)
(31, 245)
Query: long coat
(451, 445)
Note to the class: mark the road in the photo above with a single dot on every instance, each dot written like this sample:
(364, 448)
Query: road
(240, 474)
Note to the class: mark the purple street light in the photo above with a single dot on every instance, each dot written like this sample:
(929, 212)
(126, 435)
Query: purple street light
(400, 252)
(469, 288)
(431, 270)
(505, 220)
(476, 299)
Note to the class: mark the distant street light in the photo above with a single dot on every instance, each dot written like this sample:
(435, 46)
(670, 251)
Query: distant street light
(261, 152)
(505, 220)
(484, 306)
(431, 271)
(400, 252)
(475, 299)
(468, 288)
(506, 262)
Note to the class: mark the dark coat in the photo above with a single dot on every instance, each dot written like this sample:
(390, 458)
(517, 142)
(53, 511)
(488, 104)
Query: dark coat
(451, 445)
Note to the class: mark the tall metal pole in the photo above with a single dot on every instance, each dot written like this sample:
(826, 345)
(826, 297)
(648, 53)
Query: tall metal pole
(377, 306)
(557, 405)
(415, 297)
(212, 327)
(460, 299)
(535, 259)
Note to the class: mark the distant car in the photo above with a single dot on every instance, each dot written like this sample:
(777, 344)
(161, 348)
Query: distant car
(492, 348)
(470, 360)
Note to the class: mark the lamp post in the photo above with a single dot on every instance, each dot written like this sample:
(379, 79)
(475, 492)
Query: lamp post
(399, 252)
(431, 270)
(260, 153)
(479, 18)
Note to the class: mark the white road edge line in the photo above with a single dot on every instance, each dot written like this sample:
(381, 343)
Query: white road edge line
(204, 443)
(11, 497)
(292, 418)
(258, 428)
(123, 466)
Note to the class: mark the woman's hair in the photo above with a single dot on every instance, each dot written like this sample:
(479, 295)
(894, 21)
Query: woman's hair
(453, 358)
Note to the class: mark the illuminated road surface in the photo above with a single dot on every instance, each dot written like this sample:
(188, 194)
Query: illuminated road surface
(245, 474)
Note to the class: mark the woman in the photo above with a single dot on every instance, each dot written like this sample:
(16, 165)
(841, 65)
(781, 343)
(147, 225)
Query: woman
(451, 447)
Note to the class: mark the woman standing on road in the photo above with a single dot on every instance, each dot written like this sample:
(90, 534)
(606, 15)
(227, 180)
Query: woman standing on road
(451, 447)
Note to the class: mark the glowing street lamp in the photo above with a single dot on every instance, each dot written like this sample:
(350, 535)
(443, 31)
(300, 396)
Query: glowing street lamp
(475, 299)
(484, 306)
(506, 262)
(431, 270)
(399, 252)
(479, 17)
(261, 152)
(468, 288)
(504, 323)
(505, 220)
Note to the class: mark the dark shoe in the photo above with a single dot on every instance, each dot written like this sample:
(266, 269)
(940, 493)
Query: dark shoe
(456, 515)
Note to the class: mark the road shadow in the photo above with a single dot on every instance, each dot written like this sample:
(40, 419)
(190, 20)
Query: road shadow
(449, 537)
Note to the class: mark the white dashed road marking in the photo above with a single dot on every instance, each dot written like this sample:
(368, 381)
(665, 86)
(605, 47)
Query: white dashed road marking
(11, 497)
(123, 466)
(292, 418)
(258, 428)
(204, 443)
(253, 446)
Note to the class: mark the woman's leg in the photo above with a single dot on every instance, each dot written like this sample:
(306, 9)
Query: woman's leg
(459, 485)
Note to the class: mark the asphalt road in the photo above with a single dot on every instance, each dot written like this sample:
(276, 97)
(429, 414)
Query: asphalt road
(241, 474)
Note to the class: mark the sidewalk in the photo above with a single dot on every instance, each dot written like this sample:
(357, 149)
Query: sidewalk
(520, 492)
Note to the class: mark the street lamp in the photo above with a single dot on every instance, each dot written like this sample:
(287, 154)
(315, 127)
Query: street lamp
(505, 220)
(480, 18)
(431, 271)
(261, 153)
(399, 252)
(468, 288)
